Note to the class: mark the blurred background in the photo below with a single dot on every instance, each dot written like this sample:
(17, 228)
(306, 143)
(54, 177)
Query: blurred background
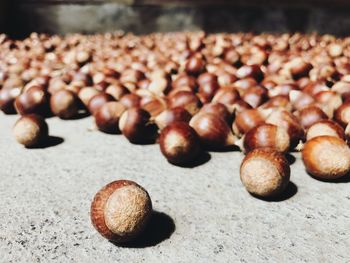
(20, 17)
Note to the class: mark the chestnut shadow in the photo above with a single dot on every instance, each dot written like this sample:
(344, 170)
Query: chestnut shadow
(81, 115)
(51, 141)
(230, 148)
(289, 192)
(290, 158)
(159, 228)
(341, 180)
(203, 158)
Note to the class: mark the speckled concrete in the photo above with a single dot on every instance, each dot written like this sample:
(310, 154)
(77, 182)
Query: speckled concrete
(205, 211)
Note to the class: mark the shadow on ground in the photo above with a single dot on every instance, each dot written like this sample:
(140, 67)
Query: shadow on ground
(159, 228)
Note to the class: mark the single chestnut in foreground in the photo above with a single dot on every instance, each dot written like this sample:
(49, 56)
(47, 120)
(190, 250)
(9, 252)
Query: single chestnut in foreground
(121, 210)
(265, 172)
(179, 143)
(30, 130)
(326, 157)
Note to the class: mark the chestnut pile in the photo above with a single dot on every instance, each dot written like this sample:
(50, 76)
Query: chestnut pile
(191, 92)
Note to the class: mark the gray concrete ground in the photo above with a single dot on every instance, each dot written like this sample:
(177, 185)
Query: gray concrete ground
(205, 214)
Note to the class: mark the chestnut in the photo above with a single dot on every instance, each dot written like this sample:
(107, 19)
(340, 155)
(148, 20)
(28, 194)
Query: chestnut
(255, 96)
(98, 101)
(342, 114)
(86, 93)
(30, 130)
(120, 211)
(265, 172)
(247, 120)
(136, 126)
(117, 91)
(169, 116)
(219, 110)
(64, 104)
(250, 71)
(194, 65)
(267, 135)
(299, 68)
(130, 100)
(310, 115)
(326, 157)
(107, 117)
(187, 100)
(184, 81)
(179, 143)
(213, 131)
(279, 101)
(227, 96)
(34, 100)
(7, 99)
(285, 119)
(325, 127)
(206, 78)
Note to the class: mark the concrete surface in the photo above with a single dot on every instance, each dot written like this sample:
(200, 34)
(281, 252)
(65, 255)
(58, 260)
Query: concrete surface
(205, 214)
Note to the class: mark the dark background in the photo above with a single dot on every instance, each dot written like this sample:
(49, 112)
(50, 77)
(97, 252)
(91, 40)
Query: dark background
(20, 17)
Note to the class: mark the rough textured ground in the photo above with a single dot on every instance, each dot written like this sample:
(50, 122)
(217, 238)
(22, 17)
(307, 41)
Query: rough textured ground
(205, 214)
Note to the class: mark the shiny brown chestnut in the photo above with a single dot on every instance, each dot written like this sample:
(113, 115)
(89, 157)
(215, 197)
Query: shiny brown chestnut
(169, 116)
(107, 117)
(64, 104)
(30, 130)
(267, 135)
(34, 100)
(219, 110)
(310, 115)
(227, 96)
(194, 65)
(213, 131)
(285, 119)
(342, 114)
(325, 127)
(86, 93)
(179, 143)
(121, 210)
(247, 120)
(255, 96)
(326, 157)
(265, 172)
(98, 101)
(130, 100)
(7, 100)
(187, 100)
(250, 71)
(136, 126)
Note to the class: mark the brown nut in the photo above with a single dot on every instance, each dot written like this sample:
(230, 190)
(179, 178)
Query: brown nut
(326, 157)
(169, 116)
(64, 104)
(7, 100)
(187, 100)
(342, 114)
(136, 126)
(267, 135)
(86, 94)
(251, 71)
(325, 127)
(213, 131)
(179, 143)
(97, 101)
(121, 210)
(219, 110)
(265, 172)
(130, 100)
(30, 130)
(34, 100)
(310, 115)
(247, 120)
(107, 117)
